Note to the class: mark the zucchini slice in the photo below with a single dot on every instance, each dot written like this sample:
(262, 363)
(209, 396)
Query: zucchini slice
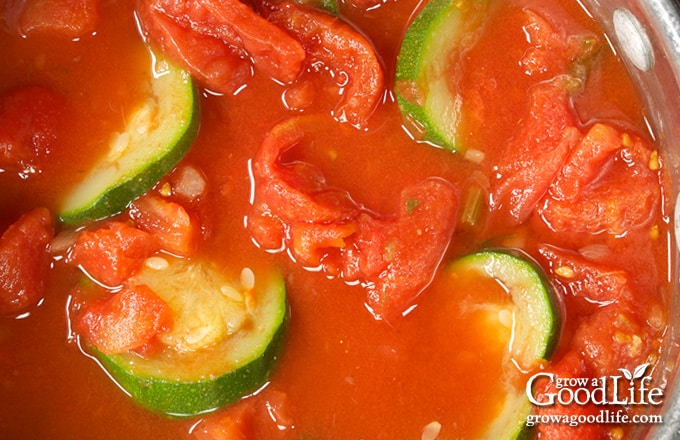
(225, 339)
(424, 85)
(536, 325)
(156, 137)
(536, 312)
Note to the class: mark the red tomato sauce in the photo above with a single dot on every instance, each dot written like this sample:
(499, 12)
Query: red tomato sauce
(343, 374)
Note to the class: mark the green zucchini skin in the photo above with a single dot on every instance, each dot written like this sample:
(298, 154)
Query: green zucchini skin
(540, 322)
(185, 382)
(424, 90)
(114, 193)
(502, 263)
(180, 399)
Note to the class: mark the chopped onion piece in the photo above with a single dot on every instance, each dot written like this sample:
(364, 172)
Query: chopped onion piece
(475, 156)
(431, 431)
(156, 263)
(63, 241)
(190, 183)
(595, 252)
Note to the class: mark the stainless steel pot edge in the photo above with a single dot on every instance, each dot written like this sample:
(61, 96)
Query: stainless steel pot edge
(646, 33)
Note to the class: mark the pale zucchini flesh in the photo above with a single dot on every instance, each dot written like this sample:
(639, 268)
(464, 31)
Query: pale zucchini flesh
(156, 137)
(223, 344)
(536, 326)
(425, 89)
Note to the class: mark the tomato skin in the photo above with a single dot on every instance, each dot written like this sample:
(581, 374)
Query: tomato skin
(112, 253)
(232, 423)
(343, 50)
(25, 261)
(168, 221)
(65, 18)
(128, 320)
(31, 118)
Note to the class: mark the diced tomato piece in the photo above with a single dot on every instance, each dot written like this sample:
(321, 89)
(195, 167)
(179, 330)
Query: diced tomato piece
(396, 256)
(615, 337)
(297, 192)
(113, 253)
(615, 331)
(585, 162)
(274, 52)
(231, 22)
(267, 231)
(25, 261)
(232, 423)
(128, 320)
(213, 63)
(66, 18)
(606, 185)
(299, 96)
(588, 285)
(536, 152)
(279, 409)
(412, 248)
(30, 122)
(550, 51)
(310, 242)
(343, 50)
(168, 221)
(568, 367)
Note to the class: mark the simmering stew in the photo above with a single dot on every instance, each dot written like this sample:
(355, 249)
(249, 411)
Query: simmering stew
(302, 219)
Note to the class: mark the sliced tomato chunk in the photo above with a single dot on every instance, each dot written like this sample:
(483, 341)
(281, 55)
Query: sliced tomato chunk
(66, 18)
(585, 161)
(619, 327)
(343, 50)
(128, 320)
(112, 253)
(609, 183)
(570, 366)
(615, 337)
(30, 123)
(552, 52)
(168, 221)
(588, 285)
(412, 247)
(536, 152)
(297, 192)
(25, 261)
(230, 22)
(395, 255)
(232, 423)
(209, 60)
